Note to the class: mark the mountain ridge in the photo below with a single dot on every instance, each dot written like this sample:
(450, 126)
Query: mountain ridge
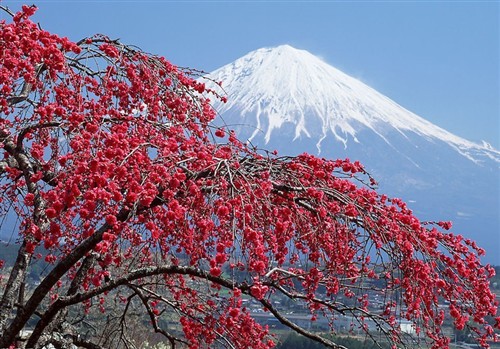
(289, 100)
(270, 82)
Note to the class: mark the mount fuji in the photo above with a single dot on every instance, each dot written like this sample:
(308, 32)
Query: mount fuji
(290, 100)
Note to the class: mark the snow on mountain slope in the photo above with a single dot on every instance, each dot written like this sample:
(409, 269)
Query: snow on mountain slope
(276, 86)
(287, 99)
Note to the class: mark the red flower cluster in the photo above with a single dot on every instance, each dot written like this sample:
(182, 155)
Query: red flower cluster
(110, 165)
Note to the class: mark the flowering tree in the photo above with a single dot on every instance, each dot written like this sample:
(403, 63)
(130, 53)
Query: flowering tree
(117, 178)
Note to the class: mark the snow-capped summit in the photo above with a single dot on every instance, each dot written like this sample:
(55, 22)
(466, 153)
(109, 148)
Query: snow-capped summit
(288, 99)
(284, 85)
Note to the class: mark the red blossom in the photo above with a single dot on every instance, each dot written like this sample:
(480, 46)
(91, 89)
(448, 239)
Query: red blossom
(220, 133)
(125, 180)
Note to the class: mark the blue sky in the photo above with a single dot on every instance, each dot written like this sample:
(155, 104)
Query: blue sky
(439, 59)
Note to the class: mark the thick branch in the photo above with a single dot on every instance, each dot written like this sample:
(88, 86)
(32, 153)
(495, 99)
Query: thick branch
(18, 273)
(48, 317)
(50, 280)
(16, 278)
(183, 270)
(27, 87)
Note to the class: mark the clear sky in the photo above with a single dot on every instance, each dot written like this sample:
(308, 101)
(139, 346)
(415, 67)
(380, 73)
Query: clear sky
(439, 59)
